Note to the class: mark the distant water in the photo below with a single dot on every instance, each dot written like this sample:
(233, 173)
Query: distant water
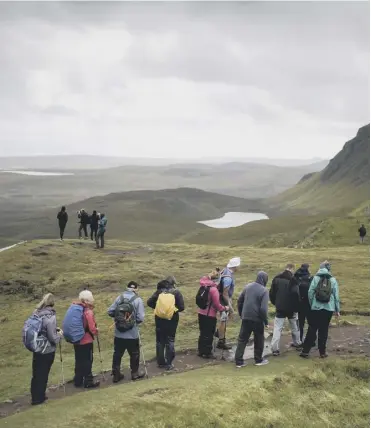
(38, 172)
(233, 219)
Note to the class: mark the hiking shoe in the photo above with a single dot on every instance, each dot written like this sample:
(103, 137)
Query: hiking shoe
(91, 385)
(264, 362)
(137, 376)
(162, 366)
(276, 353)
(304, 355)
(323, 355)
(118, 377)
(241, 366)
(223, 345)
(209, 357)
(170, 368)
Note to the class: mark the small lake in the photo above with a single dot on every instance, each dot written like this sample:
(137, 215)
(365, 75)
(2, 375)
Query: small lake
(233, 219)
(40, 173)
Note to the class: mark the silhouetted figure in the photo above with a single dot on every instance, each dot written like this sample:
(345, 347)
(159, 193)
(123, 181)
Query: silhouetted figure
(94, 225)
(84, 221)
(362, 233)
(62, 221)
(304, 279)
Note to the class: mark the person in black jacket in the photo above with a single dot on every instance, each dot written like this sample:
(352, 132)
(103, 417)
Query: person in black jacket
(166, 329)
(62, 221)
(362, 233)
(84, 221)
(303, 278)
(284, 295)
(94, 225)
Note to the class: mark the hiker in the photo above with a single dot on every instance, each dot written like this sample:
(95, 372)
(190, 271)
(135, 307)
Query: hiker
(253, 310)
(362, 233)
(324, 301)
(94, 219)
(284, 295)
(102, 223)
(303, 278)
(167, 302)
(62, 221)
(80, 329)
(43, 359)
(208, 301)
(128, 312)
(84, 221)
(226, 288)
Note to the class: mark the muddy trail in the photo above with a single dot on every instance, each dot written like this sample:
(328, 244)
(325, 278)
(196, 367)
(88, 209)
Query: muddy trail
(343, 341)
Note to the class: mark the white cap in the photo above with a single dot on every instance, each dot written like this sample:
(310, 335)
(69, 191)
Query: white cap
(235, 262)
(86, 296)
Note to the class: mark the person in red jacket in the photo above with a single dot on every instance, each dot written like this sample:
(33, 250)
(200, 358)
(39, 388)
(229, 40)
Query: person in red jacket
(84, 349)
(207, 317)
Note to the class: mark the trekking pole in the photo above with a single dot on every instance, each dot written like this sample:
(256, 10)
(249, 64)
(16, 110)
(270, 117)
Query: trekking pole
(141, 350)
(225, 338)
(101, 360)
(62, 370)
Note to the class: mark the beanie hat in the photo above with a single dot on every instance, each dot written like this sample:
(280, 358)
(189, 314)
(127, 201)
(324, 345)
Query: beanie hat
(133, 285)
(86, 296)
(235, 262)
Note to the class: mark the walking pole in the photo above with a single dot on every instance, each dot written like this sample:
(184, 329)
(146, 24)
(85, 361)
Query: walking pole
(225, 337)
(100, 357)
(141, 350)
(62, 370)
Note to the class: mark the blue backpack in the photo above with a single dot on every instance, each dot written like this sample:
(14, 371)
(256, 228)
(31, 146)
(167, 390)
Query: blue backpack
(33, 340)
(73, 324)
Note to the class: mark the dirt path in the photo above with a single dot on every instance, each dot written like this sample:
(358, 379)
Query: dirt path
(343, 341)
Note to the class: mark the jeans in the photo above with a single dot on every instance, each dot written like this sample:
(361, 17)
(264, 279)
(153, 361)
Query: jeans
(122, 345)
(41, 365)
(278, 327)
(319, 321)
(100, 237)
(165, 340)
(207, 326)
(83, 227)
(93, 232)
(83, 364)
(61, 230)
(248, 327)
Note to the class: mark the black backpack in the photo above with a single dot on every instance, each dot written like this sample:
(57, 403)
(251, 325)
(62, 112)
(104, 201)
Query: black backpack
(324, 289)
(304, 284)
(202, 297)
(125, 318)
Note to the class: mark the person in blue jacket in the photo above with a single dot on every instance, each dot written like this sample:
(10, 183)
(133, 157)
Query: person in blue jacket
(321, 310)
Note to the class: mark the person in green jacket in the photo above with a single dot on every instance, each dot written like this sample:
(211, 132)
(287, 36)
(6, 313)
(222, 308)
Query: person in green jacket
(324, 300)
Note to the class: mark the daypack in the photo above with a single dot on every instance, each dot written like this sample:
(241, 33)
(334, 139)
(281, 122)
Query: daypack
(324, 289)
(304, 284)
(202, 297)
(73, 324)
(125, 318)
(165, 306)
(220, 287)
(33, 340)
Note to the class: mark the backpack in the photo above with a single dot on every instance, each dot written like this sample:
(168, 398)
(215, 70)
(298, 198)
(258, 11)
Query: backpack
(165, 305)
(125, 318)
(324, 289)
(202, 297)
(221, 288)
(73, 324)
(304, 284)
(33, 340)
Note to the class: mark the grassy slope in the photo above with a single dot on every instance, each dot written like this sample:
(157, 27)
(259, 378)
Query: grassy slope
(282, 395)
(66, 269)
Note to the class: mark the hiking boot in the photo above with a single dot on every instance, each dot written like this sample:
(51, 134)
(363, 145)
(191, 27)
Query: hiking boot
(304, 355)
(222, 345)
(92, 384)
(209, 357)
(117, 376)
(263, 362)
(137, 376)
(241, 365)
(276, 353)
(323, 355)
(162, 366)
(170, 368)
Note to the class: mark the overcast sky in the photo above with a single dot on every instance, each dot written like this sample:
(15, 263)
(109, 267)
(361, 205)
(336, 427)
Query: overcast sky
(267, 79)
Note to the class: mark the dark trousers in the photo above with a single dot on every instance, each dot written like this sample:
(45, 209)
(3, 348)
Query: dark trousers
(100, 237)
(83, 364)
(319, 321)
(165, 340)
(207, 326)
(122, 345)
(248, 327)
(83, 227)
(93, 232)
(41, 365)
(61, 230)
(303, 314)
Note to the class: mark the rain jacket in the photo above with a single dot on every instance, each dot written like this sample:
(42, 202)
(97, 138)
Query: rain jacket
(49, 328)
(214, 305)
(90, 325)
(334, 304)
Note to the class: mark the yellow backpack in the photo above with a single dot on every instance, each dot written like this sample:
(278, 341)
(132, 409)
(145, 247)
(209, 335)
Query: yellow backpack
(165, 306)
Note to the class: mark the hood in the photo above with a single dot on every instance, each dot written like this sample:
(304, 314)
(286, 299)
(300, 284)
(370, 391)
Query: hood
(262, 278)
(46, 311)
(205, 281)
(302, 272)
(285, 275)
(323, 272)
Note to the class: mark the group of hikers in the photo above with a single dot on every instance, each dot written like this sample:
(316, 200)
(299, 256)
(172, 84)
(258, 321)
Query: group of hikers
(96, 221)
(295, 294)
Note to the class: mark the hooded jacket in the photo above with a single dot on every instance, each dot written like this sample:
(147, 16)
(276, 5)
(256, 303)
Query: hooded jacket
(214, 305)
(49, 328)
(304, 279)
(62, 218)
(284, 294)
(253, 301)
(334, 304)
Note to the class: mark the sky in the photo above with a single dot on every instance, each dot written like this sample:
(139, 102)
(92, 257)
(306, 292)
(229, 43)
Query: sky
(183, 79)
